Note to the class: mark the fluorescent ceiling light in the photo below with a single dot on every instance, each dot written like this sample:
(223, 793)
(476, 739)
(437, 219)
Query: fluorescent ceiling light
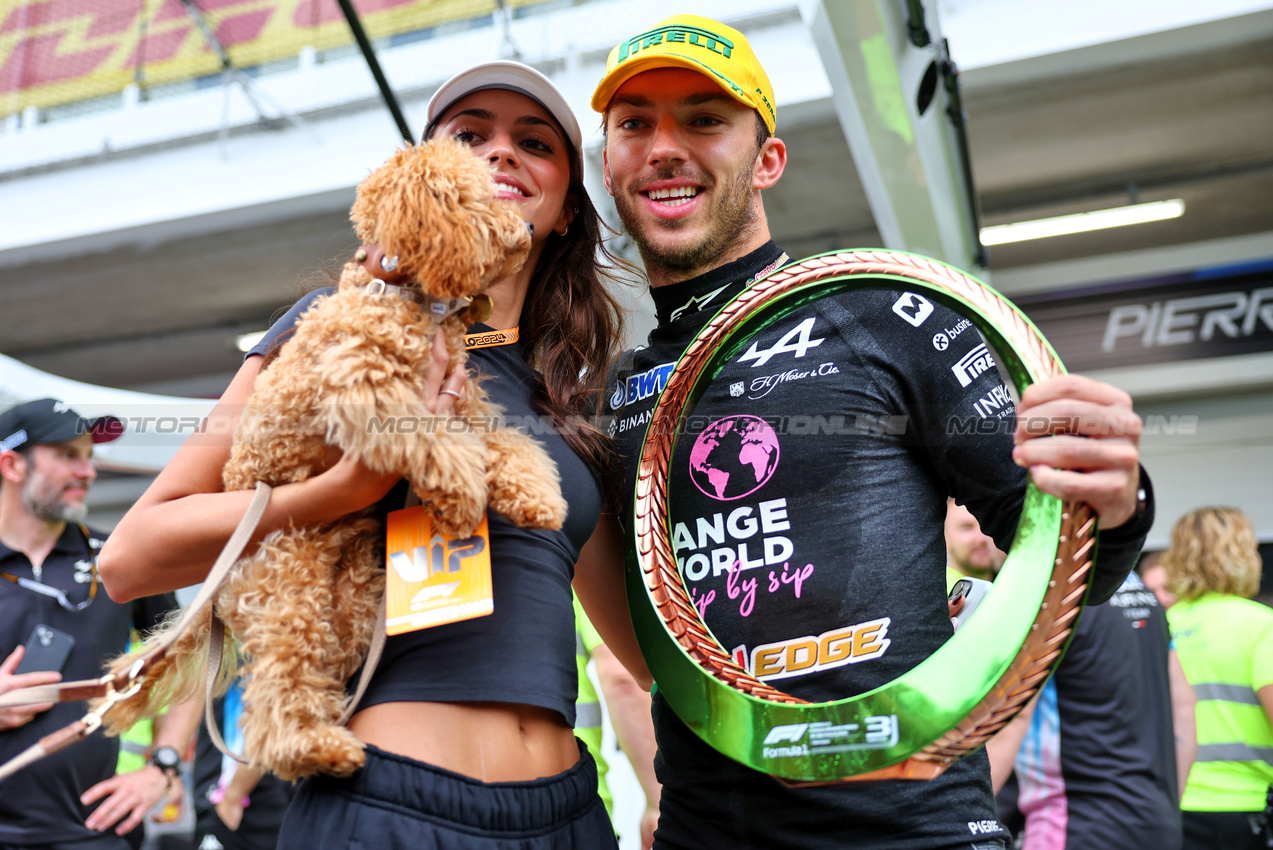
(1081, 222)
(246, 341)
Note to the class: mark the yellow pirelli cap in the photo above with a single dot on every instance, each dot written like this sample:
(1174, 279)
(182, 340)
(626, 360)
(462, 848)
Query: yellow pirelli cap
(700, 44)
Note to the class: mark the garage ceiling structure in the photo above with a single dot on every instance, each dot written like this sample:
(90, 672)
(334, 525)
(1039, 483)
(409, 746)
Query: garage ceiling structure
(1195, 123)
(1184, 113)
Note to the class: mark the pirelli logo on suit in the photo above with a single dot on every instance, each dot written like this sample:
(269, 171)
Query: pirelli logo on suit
(972, 364)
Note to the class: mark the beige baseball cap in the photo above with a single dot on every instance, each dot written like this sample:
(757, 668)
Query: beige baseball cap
(509, 76)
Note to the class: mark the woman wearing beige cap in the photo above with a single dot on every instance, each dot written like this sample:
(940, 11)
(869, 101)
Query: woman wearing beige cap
(467, 724)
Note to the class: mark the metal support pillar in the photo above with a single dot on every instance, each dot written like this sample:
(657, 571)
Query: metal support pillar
(899, 108)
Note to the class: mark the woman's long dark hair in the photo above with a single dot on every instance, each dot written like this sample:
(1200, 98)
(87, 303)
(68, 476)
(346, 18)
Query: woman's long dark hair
(571, 326)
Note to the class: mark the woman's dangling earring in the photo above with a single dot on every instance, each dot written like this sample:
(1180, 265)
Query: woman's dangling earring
(564, 230)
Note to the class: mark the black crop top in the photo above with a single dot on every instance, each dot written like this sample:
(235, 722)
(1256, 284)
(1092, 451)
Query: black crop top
(524, 652)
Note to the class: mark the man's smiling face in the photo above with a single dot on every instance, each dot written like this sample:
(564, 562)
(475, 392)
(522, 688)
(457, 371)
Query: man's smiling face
(681, 164)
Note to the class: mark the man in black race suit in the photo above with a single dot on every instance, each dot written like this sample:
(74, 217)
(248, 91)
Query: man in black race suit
(49, 586)
(809, 488)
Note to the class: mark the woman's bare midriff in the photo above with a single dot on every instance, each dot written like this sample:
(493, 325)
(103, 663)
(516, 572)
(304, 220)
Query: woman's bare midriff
(490, 741)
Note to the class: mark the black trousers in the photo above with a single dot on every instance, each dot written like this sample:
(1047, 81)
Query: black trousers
(1225, 831)
(106, 841)
(397, 802)
(210, 833)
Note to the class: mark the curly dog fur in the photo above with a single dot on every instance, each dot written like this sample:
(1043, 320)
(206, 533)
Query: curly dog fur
(303, 606)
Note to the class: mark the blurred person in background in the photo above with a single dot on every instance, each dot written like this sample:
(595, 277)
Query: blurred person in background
(1100, 754)
(1154, 575)
(1097, 759)
(136, 745)
(237, 807)
(969, 552)
(628, 705)
(1225, 642)
(50, 595)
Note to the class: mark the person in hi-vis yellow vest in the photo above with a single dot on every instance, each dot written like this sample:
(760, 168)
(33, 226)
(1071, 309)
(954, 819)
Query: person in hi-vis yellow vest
(1225, 643)
(629, 709)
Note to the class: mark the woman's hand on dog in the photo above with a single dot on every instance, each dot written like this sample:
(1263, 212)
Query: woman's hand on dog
(350, 485)
(443, 387)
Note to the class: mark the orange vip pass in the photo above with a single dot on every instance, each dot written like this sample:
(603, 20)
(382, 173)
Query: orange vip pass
(431, 578)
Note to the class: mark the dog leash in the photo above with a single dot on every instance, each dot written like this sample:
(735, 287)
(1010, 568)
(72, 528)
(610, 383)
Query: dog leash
(117, 687)
(216, 647)
(216, 655)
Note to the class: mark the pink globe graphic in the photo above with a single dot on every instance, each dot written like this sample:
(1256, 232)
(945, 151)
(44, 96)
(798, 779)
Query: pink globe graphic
(734, 457)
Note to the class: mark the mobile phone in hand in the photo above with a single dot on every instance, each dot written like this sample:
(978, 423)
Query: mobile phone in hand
(969, 591)
(46, 649)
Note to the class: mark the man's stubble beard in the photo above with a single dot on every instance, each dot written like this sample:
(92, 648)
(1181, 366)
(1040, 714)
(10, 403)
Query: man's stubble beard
(50, 507)
(966, 566)
(733, 223)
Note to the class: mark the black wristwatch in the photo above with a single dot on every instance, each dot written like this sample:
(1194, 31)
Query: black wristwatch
(166, 759)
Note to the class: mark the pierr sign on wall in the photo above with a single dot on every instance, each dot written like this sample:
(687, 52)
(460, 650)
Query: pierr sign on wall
(1190, 316)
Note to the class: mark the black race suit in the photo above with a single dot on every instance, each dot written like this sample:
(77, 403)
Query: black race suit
(808, 495)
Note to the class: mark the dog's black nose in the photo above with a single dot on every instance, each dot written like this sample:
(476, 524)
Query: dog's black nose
(531, 227)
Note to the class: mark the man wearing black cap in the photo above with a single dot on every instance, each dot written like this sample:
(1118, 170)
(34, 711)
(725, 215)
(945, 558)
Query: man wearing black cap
(52, 608)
